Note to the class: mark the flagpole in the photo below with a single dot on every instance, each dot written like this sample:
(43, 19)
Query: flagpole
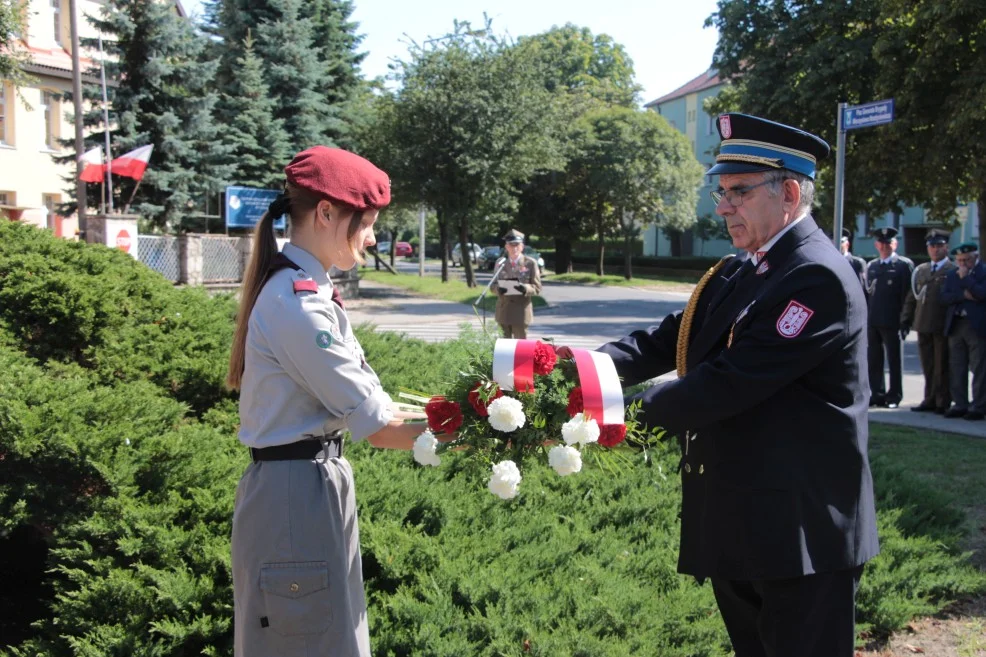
(126, 208)
(106, 123)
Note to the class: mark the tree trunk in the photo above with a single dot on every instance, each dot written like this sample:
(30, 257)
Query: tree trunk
(563, 256)
(393, 247)
(627, 258)
(443, 237)
(600, 263)
(980, 206)
(675, 239)
(466, 254)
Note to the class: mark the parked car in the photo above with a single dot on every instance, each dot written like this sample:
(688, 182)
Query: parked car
(457, 253)
(490, 262)
(487, 259)
(403, 249)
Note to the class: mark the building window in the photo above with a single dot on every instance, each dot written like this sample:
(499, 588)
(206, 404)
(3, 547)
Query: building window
(3, 114)
(711, 127)
(51, 201)
(8, 198)
(51, 113)
(56, 12)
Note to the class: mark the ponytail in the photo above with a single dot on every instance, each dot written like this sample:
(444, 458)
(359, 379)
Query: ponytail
(264, 252)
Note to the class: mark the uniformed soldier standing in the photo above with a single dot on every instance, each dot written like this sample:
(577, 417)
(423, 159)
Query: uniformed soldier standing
(770, 406)
(857, 263)
(965, 325)
(925, 313)
(888, 280)
(518, 281)
(303, 380)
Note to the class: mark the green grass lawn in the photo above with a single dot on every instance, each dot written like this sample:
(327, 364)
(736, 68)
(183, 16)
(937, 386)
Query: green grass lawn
(674, 282)
(432, 286)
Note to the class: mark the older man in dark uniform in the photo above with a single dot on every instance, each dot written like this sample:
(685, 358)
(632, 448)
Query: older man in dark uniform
(770, 406)
(888, 279)
(858, 264)
(925, 312)
(964, 293)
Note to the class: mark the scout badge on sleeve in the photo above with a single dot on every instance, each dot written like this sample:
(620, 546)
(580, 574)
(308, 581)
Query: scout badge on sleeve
(792, 321)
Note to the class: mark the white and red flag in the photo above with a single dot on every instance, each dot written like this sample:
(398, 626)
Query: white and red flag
(134, 163)
(93, 169)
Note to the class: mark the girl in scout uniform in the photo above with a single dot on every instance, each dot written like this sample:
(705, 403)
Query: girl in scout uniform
(303, 381)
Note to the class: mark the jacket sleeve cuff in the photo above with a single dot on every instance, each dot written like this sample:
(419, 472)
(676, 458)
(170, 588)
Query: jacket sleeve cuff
(371, 416)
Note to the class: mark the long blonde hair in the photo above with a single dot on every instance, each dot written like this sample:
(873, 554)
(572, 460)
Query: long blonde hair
(300, 203)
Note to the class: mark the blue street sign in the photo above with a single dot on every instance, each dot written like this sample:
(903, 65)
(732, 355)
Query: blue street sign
(868, 115)
(246, 205)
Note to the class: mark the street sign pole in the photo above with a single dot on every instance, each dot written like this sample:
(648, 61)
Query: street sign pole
(421, 240)
(840, 172)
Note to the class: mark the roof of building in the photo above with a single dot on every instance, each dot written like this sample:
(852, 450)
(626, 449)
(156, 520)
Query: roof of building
(704, 81)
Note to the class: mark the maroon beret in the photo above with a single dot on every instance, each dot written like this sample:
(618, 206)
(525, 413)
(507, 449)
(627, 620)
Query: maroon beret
(339, 175)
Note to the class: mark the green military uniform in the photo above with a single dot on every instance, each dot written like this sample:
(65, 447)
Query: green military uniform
(924, 311)
(516, 283)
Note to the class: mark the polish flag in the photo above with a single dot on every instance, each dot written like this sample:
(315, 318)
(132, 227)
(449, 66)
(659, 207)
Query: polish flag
(93, 170)
(132, 164)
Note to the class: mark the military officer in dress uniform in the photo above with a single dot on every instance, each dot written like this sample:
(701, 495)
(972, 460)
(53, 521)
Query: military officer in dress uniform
(770, 406)
(303, 380)
(925, 313)
(518, 280)
(965, 325)
(857, 263)
(888, 280)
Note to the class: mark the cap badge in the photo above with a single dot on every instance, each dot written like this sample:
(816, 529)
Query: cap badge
(724, 126)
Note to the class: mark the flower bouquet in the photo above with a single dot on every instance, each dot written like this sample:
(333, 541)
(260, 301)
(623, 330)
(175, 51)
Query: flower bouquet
(521, 403)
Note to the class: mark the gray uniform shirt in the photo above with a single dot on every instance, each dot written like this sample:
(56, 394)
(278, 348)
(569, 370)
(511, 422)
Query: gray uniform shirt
(304, 373)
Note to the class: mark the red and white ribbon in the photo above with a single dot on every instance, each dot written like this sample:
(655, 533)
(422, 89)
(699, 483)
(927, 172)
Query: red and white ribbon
(602, 394)
(513, 364)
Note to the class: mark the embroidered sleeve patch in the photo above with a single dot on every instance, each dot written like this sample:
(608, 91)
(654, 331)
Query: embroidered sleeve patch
(792, 321)
(323, 339)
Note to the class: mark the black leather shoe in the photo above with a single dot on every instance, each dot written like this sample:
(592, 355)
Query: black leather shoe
(956, 412)
(921, 408)
(891, 405)
(877, 401)
(941, 410)
(974, 415)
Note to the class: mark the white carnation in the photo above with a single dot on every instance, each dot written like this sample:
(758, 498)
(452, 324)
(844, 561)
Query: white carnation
(565, 460)
(580, 430)
(505, 480)
(424, 449)
(506, 414)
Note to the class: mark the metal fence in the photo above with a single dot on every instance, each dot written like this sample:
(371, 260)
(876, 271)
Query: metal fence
(160, 253)
(221, 260)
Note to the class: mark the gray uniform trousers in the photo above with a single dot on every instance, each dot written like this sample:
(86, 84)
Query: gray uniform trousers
(297, 576)
(967, 351)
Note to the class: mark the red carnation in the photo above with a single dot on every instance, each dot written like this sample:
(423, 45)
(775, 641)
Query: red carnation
(477, 402)
(443, 415)
(611, 435)
(544, 359)
(575, 404)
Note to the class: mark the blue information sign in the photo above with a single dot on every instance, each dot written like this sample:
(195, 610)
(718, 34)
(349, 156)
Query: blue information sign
(868, 115)
(246, 205)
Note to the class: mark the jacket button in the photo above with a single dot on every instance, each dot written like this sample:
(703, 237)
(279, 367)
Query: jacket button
(688, 467)
(294, 587)
(701, 469)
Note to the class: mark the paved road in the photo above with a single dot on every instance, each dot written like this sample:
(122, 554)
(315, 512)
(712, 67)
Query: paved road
(587, 316)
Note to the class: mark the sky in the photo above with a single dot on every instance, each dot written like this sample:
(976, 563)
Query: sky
(665, 38)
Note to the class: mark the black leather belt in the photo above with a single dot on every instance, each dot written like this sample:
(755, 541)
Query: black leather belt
(303, 450)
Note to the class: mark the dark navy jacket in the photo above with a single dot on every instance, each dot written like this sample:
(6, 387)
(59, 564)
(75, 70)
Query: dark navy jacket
(887, 286)
(777, 482)
(953, 294)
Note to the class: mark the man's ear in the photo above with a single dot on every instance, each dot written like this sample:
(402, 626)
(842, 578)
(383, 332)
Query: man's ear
(792, 192)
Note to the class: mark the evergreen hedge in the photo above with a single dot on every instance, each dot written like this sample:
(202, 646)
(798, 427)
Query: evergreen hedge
(119, 461)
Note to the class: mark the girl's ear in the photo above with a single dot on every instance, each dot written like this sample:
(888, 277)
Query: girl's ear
(323, 210)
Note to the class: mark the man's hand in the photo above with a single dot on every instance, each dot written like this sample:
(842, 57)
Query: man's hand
(521, 288)
(564, 352)
(905, 328)
(968, 295)
(963, 271)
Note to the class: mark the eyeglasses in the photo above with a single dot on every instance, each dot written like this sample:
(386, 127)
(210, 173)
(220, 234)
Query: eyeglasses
(735, 196)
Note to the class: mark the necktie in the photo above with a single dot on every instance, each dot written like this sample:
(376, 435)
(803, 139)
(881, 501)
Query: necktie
(337, 298)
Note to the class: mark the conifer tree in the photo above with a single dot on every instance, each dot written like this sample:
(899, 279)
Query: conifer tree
(163, 96)
(258, 142)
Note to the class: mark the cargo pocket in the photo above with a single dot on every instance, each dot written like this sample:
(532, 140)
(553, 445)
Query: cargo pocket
(296, 595)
